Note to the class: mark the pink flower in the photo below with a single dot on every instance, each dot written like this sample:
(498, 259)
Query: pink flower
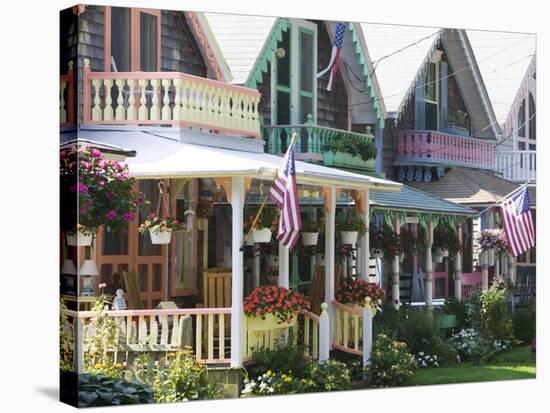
(96, 153)
(111, 215)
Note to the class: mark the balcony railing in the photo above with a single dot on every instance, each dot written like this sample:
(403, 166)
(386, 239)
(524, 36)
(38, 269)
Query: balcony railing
(169, 99)
(520, 166)
(437, 148)
(66, 97)
(311, 141)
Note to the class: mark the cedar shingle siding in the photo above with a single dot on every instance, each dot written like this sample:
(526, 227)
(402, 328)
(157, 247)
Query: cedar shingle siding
(388, 148)
(264, 107)
(67, 39)
(332, 107)
(180, 52)
(91, 37)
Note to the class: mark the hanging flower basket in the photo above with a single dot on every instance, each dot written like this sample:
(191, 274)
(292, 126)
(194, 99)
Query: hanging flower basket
(320, 260)
(272, 260)
(161, 238)
(358, 292)
(349, 237)
(437, 257)
(376, 253)
(490, 256)
(262, 235)
(80, 237)
(310, 238)
(442, 251)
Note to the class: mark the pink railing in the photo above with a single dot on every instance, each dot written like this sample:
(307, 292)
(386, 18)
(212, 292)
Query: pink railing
(443, 148)
(470, 282)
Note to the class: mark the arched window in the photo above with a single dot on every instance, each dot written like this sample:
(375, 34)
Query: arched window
(532, 118)
(521, 119)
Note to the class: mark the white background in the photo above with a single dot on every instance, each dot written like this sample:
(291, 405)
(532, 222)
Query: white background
(29, 201)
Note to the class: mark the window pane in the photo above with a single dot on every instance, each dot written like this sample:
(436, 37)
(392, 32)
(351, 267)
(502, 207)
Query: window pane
(306, 62)
(115, 243)
(306, 107)
(283, 108)
(148, 42)
(430, 82)
(431, 116)
(120, 39)
(532, 118)
(143, 275)
(283, 63)
(521, 120)
(521, 146)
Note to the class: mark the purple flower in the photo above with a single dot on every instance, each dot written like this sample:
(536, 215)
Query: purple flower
(83, 211)
(111, 215)
(80, 187)
(128, 216)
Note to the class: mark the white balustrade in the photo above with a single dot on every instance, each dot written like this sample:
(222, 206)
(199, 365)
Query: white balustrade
(518, 166)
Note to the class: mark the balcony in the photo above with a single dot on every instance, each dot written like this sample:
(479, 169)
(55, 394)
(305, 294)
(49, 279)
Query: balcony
(434, 148)
(311, 141)
(517, 166)
(168, 99)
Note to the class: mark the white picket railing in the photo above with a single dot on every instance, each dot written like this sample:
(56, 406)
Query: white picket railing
(518, 166)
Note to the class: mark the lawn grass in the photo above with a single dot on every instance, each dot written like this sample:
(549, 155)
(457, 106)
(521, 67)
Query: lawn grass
(517, 363)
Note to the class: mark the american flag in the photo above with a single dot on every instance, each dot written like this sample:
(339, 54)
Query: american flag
(335, 56)
(283, 192)
(518, 222)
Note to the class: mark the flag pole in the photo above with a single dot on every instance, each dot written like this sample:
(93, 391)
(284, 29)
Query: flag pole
(264, 202)
(506, 197)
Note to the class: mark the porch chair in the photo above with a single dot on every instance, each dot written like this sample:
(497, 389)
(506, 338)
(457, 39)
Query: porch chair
(524, 291)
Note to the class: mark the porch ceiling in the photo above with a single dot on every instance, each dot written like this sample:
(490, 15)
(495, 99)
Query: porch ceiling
(163, 155)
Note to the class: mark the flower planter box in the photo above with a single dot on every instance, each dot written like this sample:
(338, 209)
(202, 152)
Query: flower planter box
(447, 321)
(262, 235)
(79, 239)
(161, 238)
(310, 238)
(271, 322)
(349, 237)
(345, 159)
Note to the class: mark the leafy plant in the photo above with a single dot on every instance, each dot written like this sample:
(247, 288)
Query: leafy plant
(453, 306)
(66, 339)
(271, 383)
(99, 390)
(279, 301)
(446, 239)
(306, 251)
(391, 363)
(356, 291)
(524, 321)
(385, 239)
(409, 243)
(101, 344)
(354, 145)
(157, 224)
(332, 375)
(95, 191)
(309, 223)
(285, 357)
(472, 347)
(267, 219)
(344, 251)
(350, 221)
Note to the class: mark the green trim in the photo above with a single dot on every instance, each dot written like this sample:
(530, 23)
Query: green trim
(362, 59)
(260, 66)
(302, 93)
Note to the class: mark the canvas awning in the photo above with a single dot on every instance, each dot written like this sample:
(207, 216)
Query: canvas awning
(161, 155)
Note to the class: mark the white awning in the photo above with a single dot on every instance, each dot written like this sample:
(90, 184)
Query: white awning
(160, 156)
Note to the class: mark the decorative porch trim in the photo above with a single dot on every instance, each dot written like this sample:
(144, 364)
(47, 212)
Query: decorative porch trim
(266, 56)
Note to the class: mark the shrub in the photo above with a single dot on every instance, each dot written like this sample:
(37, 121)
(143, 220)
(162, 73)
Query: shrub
(66, 339)
(524, 321)
(472, 347)
(271, 383)
(353, 145)
(176, 377)
(391, 364)
(332, 375)
(453, 306)
(99, 390)
(101, 344)
(286, 357)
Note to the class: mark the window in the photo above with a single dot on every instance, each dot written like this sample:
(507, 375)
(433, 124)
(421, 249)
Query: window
(294, 74)
(132, 39)
(431, 98)
(532, 118)
(521, 120)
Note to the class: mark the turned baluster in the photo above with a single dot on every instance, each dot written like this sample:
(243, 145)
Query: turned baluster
(143, 112)
(120, 110)
(177, 99)
(166, 111)
(132, 111)
(155, 108)
(96, 109)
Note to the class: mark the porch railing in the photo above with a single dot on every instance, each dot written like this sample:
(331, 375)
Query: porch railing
(434, 147)
(311, 141)
(66, 97)
(353, 330)
(205, 330)
(308, 334)
(518, 166)
(169, 99)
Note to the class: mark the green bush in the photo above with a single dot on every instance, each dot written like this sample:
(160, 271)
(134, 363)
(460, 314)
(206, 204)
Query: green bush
(271, 383)
(175, 377)
(332, 375)
(286, 357)
(391, 364)
(524, 321)
(453, 306)
(99, 390)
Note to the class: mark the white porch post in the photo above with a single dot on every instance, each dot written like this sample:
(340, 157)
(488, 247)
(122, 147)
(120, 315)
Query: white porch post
(364, 251)
(484, 271)
(367, 333)
(428, 280)
(283, 266)
(395, 270)
(512, 268)
(324, 334)
(458, 267)
(330, 222)
(237, 313)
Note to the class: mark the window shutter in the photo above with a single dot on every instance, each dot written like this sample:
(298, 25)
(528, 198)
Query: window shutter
(419, 108)
(443, 95)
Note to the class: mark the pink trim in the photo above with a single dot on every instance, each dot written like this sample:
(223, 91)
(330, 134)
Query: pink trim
(107, 38)
(313, 316)
(213, 361)
(86, 95)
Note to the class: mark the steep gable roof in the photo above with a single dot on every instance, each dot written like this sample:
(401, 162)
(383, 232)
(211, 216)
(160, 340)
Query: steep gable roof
(503, 59)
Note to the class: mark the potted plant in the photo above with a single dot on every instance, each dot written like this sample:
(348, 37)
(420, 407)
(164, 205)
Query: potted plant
(310, 229)
(160, 229)
(270, 307)
(407, 244)
(358, 292)
(384, 242)
(351, 226)
(320, 250)
(265, 225)
(445, 241)
(94, 192)
(204, 211)
(349, 150)
(491, 239)
(270, 251)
